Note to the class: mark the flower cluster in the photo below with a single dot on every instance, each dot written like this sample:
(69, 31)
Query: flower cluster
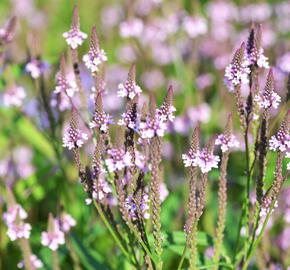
(152, 127)
(130, 89)
(101, 120)
(238, 71)
(74, 138)
(94, 58)
(128, 120)
(65, 222)
(204, 159)
(14, 220)
(119, 159)
(74, 37)
(35, 262)
(227, 142)
(101, 190)
(53, 237)
(134, 209)
(65, 83)
(35, 67)
(14, 96)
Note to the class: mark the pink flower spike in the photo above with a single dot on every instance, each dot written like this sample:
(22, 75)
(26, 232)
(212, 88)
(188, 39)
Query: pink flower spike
(95, 56)
(74, 37)
(54, 236)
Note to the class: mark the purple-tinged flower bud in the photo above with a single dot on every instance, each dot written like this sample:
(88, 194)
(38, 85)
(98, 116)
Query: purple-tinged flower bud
(74, 37)
(269, 97)
(95, 56)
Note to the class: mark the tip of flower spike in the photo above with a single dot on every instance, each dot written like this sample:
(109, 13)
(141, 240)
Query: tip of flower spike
(75, 19)
(152, 105)
(10, 197)
(119, 138)
(169, 95)
(99, 102)
(270, 81)
(62, 64)
(211, 143)
(50, 225)
(195, 138)
(132, 72)
(12, 24)
(229, 125)
(94, 39)
(239, 54)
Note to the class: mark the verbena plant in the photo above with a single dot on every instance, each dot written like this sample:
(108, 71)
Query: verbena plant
(123, 176)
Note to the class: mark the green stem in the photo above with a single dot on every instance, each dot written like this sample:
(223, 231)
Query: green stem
(182, 258)
(254, 246)
(112, 232)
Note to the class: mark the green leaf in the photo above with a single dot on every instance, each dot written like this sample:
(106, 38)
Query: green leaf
(28, 131)
(89, 258)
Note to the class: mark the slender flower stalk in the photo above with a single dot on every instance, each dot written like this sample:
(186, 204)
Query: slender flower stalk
(227, 142)
(155, 154)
